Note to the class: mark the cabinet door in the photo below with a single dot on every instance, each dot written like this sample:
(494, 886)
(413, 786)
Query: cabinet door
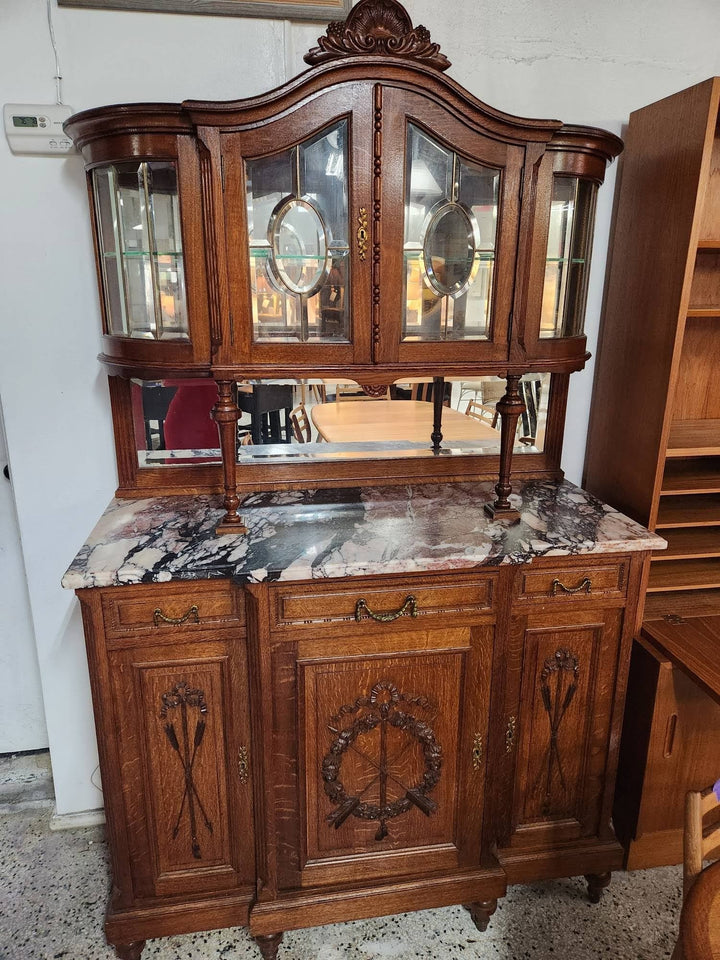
(561, 726)
(182, 733)
(378, 768)
(449, 222)
(296, 211)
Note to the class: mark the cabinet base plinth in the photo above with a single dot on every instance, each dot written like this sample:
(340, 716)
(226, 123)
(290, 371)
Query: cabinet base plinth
(309, 908)
(502, 513)
(236, 527)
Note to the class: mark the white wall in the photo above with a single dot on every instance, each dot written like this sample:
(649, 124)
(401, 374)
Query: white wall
(577, 60)
(22, 719)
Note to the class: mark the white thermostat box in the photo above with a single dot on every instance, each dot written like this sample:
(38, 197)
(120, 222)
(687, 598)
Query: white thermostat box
(37, 128)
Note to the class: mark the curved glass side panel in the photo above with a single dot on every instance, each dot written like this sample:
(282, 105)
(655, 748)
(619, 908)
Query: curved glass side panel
(451, 208)
(141, 256)
(567, 263)
(298, 224)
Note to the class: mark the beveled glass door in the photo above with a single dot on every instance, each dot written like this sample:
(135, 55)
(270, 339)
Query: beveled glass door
(450, 203)
(297, 193)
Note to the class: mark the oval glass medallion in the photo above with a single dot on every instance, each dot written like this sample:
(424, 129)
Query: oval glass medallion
(299, 244)
(451, 240)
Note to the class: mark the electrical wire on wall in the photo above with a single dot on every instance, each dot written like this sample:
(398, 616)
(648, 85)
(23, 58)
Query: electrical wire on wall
(58, 75)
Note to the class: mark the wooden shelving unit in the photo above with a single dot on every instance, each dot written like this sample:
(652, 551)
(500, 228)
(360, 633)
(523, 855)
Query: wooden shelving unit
(654, 437)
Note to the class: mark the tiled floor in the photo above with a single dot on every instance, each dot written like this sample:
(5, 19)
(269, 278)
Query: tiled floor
(53, 889)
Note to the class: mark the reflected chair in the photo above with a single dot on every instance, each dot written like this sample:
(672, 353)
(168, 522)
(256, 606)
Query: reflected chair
(300, 424)
(481, 411)
(700, 917)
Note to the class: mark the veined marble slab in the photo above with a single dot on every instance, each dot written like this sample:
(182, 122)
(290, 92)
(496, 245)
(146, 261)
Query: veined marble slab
(299, 535)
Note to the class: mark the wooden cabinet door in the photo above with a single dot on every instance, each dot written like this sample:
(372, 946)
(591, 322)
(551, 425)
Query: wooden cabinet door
(561, 725)
(297, 201)
(449, 233)
(183, 739)
(378, 766)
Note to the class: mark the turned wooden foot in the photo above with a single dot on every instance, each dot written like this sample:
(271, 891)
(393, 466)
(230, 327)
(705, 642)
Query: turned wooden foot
(129, 951)
(480, 912)
(269, 945)
(596, 883)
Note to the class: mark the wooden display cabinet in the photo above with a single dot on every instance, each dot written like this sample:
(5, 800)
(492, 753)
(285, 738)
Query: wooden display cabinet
(654, 435)
(369, 219)
(284, 754)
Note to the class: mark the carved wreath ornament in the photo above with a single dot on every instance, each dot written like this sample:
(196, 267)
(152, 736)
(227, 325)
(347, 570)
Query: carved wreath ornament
(380, 27)
(384, 708)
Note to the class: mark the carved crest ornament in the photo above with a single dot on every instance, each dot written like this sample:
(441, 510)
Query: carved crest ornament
(380, 27)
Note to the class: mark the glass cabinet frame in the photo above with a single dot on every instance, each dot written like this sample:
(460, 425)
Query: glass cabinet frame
(122, 353)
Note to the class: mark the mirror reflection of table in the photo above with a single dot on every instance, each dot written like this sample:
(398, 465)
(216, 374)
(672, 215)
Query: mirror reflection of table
(384, 420)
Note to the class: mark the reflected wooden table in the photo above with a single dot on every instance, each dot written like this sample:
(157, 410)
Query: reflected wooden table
(389, 420)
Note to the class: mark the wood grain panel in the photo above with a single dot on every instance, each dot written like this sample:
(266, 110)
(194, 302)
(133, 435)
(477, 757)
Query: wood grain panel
(667, 156)
(564, 726)
(184, 715)
(131, 610)
(688, 543)
(689, 511)
(694, 438)
(308, 605)
(424, 709)
(697, 396)
(692, 475)
(606, 580)
(701, 574)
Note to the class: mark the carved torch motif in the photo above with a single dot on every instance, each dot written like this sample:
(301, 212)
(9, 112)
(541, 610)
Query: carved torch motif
(558, 685)
(182, 699)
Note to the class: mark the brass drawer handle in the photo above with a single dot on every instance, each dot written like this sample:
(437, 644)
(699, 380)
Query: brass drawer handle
(159, 617)
(243, 764)
(584, 585)
(510, 734)
(477, 751)
(361, 606)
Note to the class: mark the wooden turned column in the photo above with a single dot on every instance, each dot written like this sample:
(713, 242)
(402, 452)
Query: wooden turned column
(438, 397)
(226, 415)
(510, 408)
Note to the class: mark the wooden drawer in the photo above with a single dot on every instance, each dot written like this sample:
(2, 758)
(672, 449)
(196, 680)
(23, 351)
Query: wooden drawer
(305, 605)
(563, 583)
(184, 607)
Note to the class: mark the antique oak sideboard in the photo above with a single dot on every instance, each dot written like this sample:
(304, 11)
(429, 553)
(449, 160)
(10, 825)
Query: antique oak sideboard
(379, 682)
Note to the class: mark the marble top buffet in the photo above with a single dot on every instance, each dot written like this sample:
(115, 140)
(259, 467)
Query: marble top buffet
(374, 690)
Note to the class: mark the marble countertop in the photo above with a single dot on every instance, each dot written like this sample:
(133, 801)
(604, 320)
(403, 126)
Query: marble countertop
(299, 535)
